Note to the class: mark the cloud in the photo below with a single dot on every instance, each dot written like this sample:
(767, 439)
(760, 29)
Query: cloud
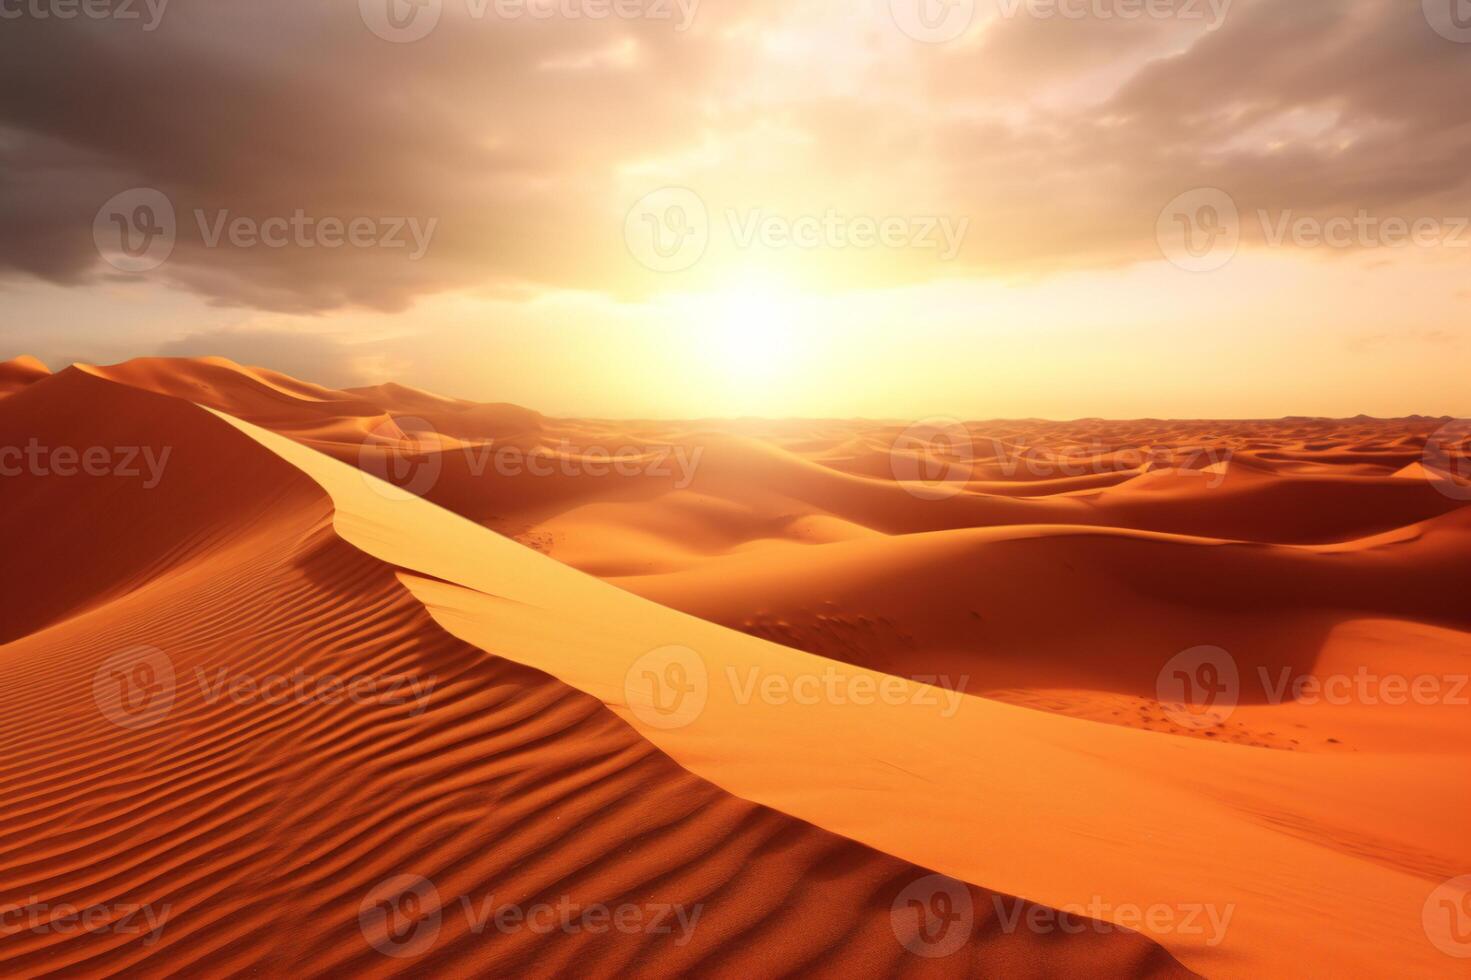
(524, 140)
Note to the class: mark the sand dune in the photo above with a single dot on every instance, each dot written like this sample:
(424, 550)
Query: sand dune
(1039, 591)
(255, 830)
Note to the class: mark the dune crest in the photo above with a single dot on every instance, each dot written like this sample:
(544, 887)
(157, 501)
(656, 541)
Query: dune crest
(963, 789)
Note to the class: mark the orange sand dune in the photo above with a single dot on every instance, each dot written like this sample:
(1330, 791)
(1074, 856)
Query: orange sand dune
(20, 372)
(1039, 590)
(1131, 818)
(257, 831)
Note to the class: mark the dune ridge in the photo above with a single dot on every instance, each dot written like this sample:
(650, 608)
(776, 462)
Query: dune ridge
(255, 830)
(964, 790)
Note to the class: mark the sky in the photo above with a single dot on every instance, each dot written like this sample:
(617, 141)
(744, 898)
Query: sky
(692, 208)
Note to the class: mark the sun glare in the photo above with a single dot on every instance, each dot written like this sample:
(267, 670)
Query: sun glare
(746, 334)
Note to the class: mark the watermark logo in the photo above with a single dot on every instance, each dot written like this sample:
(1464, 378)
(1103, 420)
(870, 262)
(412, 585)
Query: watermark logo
(126, 462)
(835, 686)
(1200, 230)
(65, 918)
(1447, 917)
(1207, 921)
(401, 916)
(1200, 687)
(833, 229)
(407, 456)
(667, 688)
(1447, 459)
(933, 21)
(122, 10)
(406, 21)
(933, 459)
(304, 231)
(1097, 458)
(302, 688)
(1211, 12)
(403, 452)
(134, 688)
(135, 230)
(1451, 19)
(673, 462)
(1364, 686)
(933, 917)
(1362, 229)
(668, 230)
(401, 21)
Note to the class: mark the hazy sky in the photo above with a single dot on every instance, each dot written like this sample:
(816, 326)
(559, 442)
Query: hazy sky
(671, 207)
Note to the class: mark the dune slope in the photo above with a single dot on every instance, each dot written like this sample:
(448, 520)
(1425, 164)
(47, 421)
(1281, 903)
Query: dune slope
(255, 826)
(1130, 819)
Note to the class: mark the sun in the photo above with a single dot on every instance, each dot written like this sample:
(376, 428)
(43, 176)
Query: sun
(748, 332)
(745, 347)
(755, 332)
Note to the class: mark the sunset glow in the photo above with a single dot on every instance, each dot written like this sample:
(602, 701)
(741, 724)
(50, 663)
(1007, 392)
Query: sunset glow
(888, 179)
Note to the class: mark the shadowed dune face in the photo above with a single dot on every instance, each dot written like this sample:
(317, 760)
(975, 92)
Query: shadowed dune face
(1060, 567)
(183, 755)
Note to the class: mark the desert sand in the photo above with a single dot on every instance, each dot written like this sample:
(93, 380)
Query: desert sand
(543, 577)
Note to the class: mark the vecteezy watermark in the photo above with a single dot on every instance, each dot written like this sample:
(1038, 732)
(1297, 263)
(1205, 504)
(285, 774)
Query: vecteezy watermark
(1201, 687)
(1447, 917)
(938, 457)
(1447, 459)
(136, 688)
(1201, 230)
(66, 918)
(137, 230)
(407, 456)
(1365, 686)
(405, 21)
(934, 458)
(402, 916)
(1211, 12)
(1073, 459)
(935, 916)
(148, 13)
(301, 230)
(669, 687)
(304, 689)
(933, 21)
(669, 230)
(404, 453)
(126, 462)
(1205, 920)
(1451, 19)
